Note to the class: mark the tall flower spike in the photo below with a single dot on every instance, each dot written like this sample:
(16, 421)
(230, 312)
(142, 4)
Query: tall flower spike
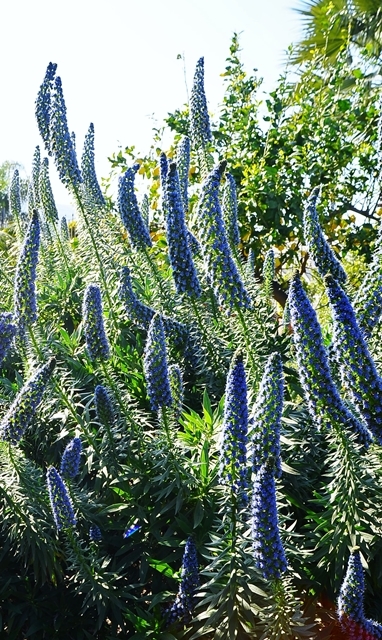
(89, 175)
(229, 207)
(199, 118)
(22, 410)
(8, 331)
(95, 533)
(268, 273)
(64, 229)
(319, 249)
(142, 315)
(46, 194)
(183, 269)
(129, 210)
(155, 366)
(62, 147)
(15, 196)
(70, 461)
(43, 105)
(268, 549)
(96, 341)
(104, 406)
(350, 604)
(233, 446)
(185, 601)
(266, 417)
(323, 399)
(176, 386)
(25, 304)
(36, 163)
(368, 302)
(358, 371)
(163, 169)
(30, 199)
(145, 209)
(183, 152)
(62, 507)
(219, 264)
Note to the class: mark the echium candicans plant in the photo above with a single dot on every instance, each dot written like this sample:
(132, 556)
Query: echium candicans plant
(71, 458)
(47, 201)
(219, 264)
(350, 606)
(183, 152)
(319, 249)
(183, 268)
(30, 198)
(36, 164)
(142, 315)
(324, 402)
(163, 170)
(357, 368)
(368, 301)
(44, 105)
(97, 344)
(64, 229)
(104, 406)
(182, 609)
(233, 469)
(269, 554)
(199, 119)
(266, 417)
(60, 501)
(25, 303)
(62, 148)
(229, 208)
(155, 366)
(15, 198)
(177, 389)
(22, 410)
(129, 210)
(8, 331)
(88, 171)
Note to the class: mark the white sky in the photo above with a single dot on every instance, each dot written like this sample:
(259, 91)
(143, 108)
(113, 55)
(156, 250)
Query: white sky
(118, 63)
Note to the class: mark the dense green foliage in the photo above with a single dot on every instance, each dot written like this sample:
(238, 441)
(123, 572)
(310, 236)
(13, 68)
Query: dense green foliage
(163, 527)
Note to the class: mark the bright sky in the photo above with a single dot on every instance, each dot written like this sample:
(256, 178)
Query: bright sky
(118, 63)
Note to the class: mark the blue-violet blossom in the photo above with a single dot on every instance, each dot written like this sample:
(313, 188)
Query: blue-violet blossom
(96, 341)
(156, 367)
(62, 507)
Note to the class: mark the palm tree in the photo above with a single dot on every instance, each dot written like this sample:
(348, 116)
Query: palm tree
(333, 27)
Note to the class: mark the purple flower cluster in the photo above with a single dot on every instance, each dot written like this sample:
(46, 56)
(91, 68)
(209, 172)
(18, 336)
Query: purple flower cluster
(88, 171)
(44, 106)
(22, 410)
(104, 406)
(358, 371)
(183, 163)
(319, 249)
(199, 118)
(177, 390)
(155, 366)
(36, 164)
(350, 604)
(62, 147)
(8, 331)
(15, 196)
(233, 445)
(95, 534)
(48, 203)
(368, 302)
(163, 168)
(229, 208)
(70, 461)
(62, 507)
(181, 610)
(266, 417)
(220, 266)
(183, 269)
(96, 341)
(323, 399)
(142, 315)
(129, 210)
(268, 549)
(25, 304)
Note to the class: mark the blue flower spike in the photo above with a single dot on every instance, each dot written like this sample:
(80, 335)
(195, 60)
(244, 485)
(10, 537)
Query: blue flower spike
(60, 501)
(97, 343)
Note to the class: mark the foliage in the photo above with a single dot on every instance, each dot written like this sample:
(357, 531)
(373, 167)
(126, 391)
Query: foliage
(167, 413)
